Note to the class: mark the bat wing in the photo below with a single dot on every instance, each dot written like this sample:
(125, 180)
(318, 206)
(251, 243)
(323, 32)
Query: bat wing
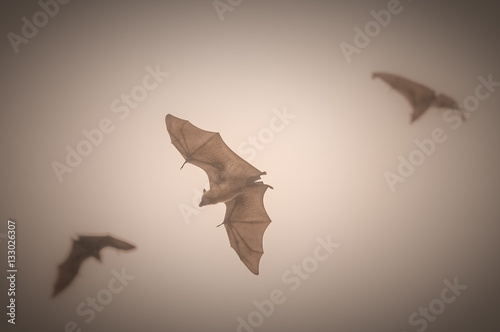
(207, 150)
(83, 248)
(68, 270)
(94, 244)
(246, 220)
(444, 101)
(419, 96)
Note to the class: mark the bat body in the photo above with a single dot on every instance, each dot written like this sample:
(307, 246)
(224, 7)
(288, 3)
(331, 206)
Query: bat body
(83, 248)
(419, 96)
(232, 181)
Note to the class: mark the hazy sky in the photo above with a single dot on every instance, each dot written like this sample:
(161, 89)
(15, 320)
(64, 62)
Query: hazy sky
(86, 86)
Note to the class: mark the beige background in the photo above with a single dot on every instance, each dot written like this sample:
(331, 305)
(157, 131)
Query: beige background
(327, 166)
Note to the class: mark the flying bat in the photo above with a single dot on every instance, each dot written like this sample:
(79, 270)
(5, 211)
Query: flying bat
(420, 96)
(83, 248)
(232, 181)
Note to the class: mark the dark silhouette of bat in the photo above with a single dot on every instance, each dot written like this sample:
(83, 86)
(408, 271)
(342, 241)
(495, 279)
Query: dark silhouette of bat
(233, 181)
(420, 97)
(83, 248)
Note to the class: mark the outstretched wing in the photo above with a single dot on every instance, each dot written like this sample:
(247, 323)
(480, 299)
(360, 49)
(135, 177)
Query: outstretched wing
(444, 101)
(94, 244)
(419, 96)
(246, 220)
(207, 150)
(68, 270)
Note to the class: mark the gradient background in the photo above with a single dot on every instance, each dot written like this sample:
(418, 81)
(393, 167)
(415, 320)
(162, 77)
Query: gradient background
(327, 166)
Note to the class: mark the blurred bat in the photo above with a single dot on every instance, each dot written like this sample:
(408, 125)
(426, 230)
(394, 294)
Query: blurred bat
(83, 248)
(420, 97)
(233, 181)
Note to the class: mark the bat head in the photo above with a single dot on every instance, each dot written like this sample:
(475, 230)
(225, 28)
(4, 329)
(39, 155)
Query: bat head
(205, 199)
(209, 197)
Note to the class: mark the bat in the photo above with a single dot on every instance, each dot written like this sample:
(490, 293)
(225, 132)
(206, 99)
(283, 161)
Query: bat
(420, 97)
(83, 248)
(232, 181)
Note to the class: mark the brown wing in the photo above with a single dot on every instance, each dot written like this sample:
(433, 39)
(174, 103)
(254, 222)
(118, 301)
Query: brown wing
(207, 150)
(444, 101)
(68, 270)
(419, 96)
(246, 220)
(96, 243)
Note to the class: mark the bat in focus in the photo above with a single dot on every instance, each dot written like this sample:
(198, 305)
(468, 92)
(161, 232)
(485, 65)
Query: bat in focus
(83, 248)
(232, 181)
(420, 96)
